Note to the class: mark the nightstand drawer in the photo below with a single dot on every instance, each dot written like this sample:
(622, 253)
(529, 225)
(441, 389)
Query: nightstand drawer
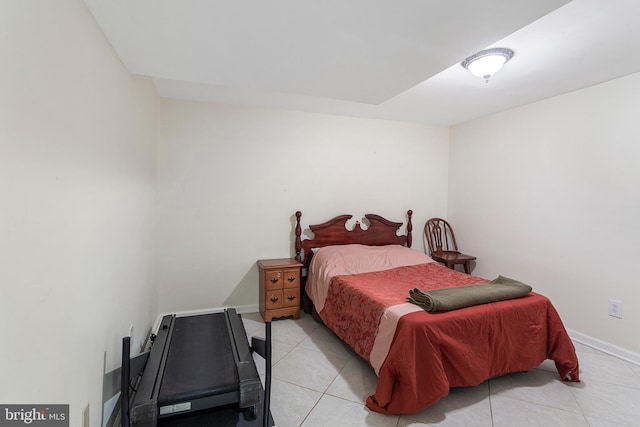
(291, 278)
(273, 299)
(273, 279)
(291, 297)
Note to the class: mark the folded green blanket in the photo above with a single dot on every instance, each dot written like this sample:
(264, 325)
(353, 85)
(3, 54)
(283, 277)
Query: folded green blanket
(455, 297)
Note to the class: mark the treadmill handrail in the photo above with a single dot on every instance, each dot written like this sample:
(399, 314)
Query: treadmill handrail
(249, 380)
(143, 411)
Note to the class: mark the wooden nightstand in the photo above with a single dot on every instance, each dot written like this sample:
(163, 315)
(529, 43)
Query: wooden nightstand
(279, 288)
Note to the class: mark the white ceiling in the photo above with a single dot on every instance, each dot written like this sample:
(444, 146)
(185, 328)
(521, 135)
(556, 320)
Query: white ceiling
(379, 59)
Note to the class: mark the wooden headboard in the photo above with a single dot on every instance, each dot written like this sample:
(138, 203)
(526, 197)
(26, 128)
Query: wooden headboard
(380, 232)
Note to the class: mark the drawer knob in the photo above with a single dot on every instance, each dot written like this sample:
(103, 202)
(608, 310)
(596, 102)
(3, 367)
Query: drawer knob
(274, 299)
(274, 280)
(291, 279)
(291, 297)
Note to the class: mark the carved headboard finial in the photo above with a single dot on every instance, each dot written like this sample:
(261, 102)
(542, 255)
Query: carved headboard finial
(298, 234)
(409, 228)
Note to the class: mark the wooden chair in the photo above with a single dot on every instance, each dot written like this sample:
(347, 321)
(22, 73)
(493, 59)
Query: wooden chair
(443, 246)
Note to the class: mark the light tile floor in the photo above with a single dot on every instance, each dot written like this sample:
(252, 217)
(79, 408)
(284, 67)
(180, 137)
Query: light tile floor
(318, 381)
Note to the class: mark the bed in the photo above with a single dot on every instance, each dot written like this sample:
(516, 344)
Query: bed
(357, 285)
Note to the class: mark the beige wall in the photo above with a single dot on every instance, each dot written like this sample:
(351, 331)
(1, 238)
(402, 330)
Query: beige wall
(231, 178)
(77, 174)
(548, 193)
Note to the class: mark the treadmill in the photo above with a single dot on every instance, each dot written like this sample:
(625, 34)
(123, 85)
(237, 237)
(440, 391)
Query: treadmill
(196, 364)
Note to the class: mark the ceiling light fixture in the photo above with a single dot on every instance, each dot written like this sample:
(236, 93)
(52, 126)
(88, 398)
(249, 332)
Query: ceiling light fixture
(486, 63)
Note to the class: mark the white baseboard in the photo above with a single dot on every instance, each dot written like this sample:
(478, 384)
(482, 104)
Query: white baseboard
(240, 309)
(614, 350)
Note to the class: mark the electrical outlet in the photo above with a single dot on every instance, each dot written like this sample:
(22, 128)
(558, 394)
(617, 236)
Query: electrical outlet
(615, 308)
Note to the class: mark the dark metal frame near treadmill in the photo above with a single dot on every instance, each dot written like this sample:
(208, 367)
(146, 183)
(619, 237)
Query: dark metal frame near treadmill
(144, 411)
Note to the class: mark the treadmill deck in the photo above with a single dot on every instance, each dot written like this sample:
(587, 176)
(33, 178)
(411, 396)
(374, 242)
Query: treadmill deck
(200, 360)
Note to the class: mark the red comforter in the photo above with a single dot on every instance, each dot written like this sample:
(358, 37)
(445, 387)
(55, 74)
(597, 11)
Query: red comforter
(432, 352)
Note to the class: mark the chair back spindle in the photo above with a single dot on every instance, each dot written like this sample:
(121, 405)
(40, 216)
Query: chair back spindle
(440, 236)
(443, 246)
